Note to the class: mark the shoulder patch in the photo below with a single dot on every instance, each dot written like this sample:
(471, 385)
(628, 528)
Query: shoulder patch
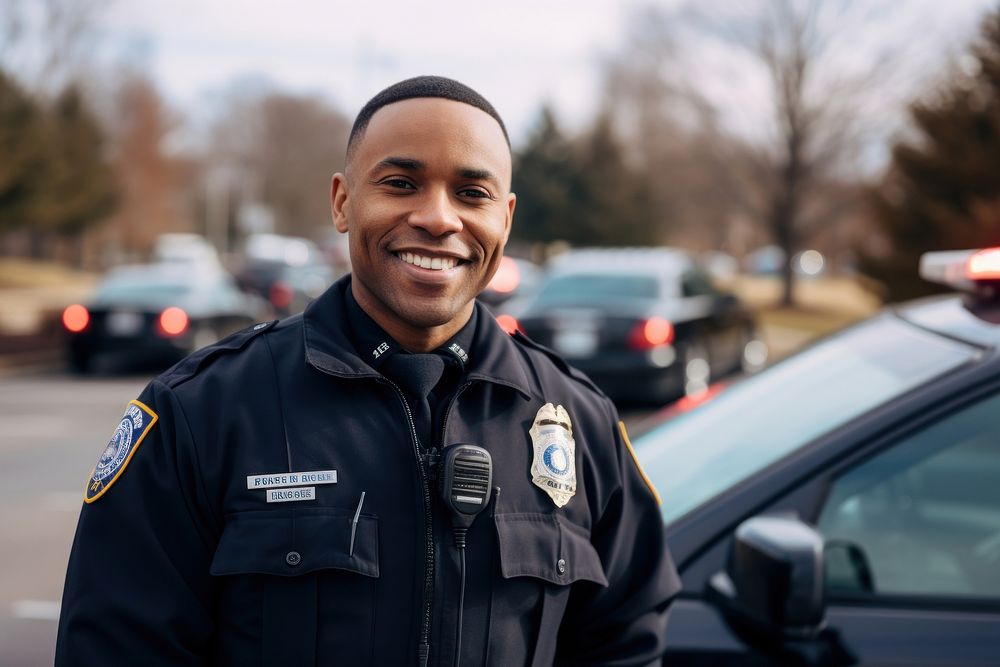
(132, 430)
(190, 365)
(561, 363)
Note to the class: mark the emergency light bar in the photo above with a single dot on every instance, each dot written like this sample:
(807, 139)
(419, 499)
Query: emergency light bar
(966, 270)
(984, 265)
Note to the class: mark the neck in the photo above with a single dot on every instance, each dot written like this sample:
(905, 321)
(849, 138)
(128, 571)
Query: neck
(413, 338)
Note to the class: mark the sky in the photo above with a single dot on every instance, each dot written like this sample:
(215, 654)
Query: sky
(520, 53)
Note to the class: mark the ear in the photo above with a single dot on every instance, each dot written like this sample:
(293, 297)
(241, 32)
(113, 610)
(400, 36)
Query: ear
(338, 201)
(511, 202)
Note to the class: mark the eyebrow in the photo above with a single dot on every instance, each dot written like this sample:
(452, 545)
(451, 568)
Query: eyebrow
(400, 163)
(411, 164)
(479, 175)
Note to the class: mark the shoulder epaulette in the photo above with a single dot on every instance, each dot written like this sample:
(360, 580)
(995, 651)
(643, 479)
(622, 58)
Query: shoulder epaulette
(190, 365)
(577, 375)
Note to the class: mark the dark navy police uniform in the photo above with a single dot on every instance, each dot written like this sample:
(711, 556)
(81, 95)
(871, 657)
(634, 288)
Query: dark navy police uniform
(268, 501)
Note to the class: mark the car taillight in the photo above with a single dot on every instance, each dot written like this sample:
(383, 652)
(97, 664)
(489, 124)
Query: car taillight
(651, 333)
(75, 318)
(509, 324)
(984, 265)
(507, 277)
(173, 321)
(281, 295)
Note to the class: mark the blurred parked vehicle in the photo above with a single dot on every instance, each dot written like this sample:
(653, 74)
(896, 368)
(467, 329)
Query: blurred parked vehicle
(843, 506)
(514, 277)
(189, 249)
(769, 260)
(721, 266)
(287, 271)
(645, 324)
(156, 313)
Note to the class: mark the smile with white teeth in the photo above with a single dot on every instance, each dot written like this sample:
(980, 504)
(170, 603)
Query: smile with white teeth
(433, 263)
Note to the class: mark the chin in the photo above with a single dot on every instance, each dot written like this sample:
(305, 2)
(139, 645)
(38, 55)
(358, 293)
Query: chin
(431, 314)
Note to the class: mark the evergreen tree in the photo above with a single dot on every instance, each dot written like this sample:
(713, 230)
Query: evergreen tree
(615, 206)
(942, 191)
(545, 181)
(582, 192)
(22, 155)
(79, 184)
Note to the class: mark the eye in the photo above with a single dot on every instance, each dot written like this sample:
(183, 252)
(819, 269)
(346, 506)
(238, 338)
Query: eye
(399, 183)
(475, 193)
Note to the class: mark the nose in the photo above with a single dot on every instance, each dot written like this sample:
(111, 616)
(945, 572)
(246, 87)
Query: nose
(435, 213)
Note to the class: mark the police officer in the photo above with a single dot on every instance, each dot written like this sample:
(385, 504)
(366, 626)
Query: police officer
(282, 497)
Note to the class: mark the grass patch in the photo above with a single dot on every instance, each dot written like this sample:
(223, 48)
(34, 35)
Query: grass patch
(23, 273)
(807, 320)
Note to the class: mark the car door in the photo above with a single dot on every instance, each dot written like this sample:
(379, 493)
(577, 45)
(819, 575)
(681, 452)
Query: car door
(911, 526)
(912, 544)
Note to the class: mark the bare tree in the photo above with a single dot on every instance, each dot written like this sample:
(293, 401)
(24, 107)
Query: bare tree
(813, 90)
(674, 136)
(817, 123)
(281, 151)
(47, 42)
(153, 182)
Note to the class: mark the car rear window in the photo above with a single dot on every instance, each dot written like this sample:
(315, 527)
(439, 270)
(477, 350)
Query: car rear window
(756, 422)
(581, 288)
(130, 291)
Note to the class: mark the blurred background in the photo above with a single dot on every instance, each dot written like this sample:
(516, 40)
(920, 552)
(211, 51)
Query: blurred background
(177, 156)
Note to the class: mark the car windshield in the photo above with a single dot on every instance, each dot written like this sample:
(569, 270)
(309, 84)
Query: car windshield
(752, 424)
(159, 286)
(583, 289)
(125, 291)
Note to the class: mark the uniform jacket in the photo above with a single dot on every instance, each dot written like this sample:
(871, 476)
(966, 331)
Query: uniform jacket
(178, 562)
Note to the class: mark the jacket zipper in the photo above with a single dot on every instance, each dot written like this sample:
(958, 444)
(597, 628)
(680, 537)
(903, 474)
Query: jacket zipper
(424, 647)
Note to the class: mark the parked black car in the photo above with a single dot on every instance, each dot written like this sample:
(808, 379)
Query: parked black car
(644, 324)
(287, 271)
(156, 314)
(843, 506)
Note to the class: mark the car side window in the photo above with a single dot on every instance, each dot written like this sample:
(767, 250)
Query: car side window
(696, 283)
(923, 517)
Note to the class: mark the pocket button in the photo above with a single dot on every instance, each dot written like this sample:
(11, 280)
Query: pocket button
(561, 566)
(293, 558)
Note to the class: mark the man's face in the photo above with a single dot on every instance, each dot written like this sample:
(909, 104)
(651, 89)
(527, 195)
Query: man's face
(426, 199)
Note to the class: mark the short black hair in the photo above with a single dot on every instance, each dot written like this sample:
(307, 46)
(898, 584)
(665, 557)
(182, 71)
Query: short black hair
(421, 86)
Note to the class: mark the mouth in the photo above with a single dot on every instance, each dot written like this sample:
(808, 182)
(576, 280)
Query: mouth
(427, 262)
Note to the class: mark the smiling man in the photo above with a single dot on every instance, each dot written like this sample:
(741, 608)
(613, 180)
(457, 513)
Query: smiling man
(388, 478)
(426, 202)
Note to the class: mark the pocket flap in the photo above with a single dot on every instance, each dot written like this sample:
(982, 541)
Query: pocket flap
(290, 542)
(548, 547)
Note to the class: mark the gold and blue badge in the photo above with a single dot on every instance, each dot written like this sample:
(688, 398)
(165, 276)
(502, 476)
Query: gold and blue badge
(553, 468)
(131, 431)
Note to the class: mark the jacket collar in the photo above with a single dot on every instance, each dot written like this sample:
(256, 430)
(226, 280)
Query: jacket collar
(493, 356)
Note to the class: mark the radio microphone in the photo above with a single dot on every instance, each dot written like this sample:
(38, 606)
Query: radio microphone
(466, 486)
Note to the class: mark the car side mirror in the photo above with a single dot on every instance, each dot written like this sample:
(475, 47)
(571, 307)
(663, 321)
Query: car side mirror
(772, 592)
(776, 566)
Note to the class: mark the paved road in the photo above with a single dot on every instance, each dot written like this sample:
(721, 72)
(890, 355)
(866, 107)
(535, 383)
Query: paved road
(52, 429)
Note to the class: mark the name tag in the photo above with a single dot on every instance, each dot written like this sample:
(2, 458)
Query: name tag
(290, 495)
(291, 479)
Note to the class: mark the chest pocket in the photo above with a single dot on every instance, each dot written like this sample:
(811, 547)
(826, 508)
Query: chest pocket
(541, 555)
(293, 576)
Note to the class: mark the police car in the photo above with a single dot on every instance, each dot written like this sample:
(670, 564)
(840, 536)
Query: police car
(843, 506)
